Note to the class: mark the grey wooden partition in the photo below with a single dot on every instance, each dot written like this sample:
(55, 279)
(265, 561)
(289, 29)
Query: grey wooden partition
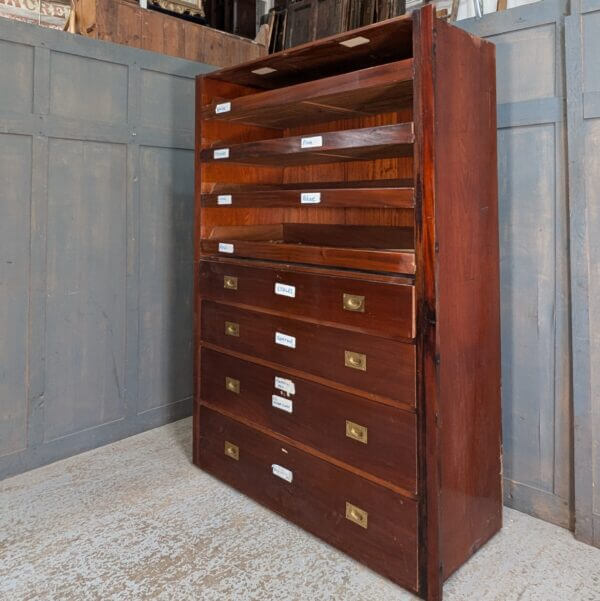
(583, 96)
(532, 163)
(96, 206)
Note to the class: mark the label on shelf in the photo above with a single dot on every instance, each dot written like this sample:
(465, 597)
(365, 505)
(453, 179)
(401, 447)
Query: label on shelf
(224, 107)
(310, 198)
(225, 248)
(285, 340)
(285, 385)
(221, 153)
(312, 142)
(285, 290)
(224, 199)
(280, 403)
(282, 472)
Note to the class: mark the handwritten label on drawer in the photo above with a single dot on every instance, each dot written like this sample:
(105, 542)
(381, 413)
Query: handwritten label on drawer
(224, 199)
(310, 198)
(312, 142)
(285, 385)
(221, 153)
(285, 340)
(223, 107)
(280, 403)
(285, 290)
(225, 248)
(282, 472)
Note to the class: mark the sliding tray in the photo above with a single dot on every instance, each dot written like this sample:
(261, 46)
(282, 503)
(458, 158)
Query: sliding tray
(380, 194)
(367, 143)
(370, 248)
(380, 89)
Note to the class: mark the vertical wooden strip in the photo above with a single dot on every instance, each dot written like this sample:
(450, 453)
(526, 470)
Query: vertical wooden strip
(579, 262)
(427, 399)
(37, 306)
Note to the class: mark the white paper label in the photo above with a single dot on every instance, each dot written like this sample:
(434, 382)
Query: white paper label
(282, 472)
(285, 290)
(224, 199)
(310, 198)
(280, 403)
(224, 107)
(285, 340)
(225, 248)
(285, 385)
(312, 142)
(221, 153)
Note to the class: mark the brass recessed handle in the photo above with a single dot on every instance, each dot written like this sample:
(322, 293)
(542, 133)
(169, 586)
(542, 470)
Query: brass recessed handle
(356, 432)
(232, 329)
(357, 515)
(232, 385)
(230, 282)
(353, 302)
(355, 360)
(232, 450)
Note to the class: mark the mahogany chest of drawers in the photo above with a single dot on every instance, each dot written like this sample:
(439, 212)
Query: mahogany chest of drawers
(347, 366)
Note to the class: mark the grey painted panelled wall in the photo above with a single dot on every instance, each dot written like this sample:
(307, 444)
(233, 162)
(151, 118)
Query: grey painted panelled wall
(96, 214)
(534, 255)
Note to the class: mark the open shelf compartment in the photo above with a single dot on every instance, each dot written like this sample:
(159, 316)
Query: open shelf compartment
(370, 248)
(366, 143)
(360, 194)
(379, 89)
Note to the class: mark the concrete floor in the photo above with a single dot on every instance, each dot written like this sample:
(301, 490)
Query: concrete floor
(135, 520)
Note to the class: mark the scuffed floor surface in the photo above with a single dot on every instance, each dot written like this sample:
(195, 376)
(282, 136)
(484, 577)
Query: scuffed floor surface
(135, 520)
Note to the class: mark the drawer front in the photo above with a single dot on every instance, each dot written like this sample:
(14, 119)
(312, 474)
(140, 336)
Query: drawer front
(369, 522)
(375, 365)
(370, 436)
(385, 309)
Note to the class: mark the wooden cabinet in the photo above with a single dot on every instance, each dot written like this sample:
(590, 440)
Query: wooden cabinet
(347, 292)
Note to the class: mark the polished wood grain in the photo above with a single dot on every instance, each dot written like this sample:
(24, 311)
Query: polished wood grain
(431, 577)
(316, 416)
(320, 350)
(378, 89)
(371, 194)
(375, 248)
(388, 308)
(468, 297)
(388, 41)
(346, 145)
(410, 226)
(317, 496)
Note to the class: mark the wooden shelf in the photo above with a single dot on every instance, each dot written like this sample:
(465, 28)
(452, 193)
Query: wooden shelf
(367, 143)
(386, 41)
(397, 194)
(369, 248)
(380, 89)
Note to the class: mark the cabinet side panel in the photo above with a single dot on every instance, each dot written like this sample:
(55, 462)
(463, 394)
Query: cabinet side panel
(468, 316)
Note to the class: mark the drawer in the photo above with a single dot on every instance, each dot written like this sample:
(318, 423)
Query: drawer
(369, 522)
(370, 436)
(379, 366)
(385, 308)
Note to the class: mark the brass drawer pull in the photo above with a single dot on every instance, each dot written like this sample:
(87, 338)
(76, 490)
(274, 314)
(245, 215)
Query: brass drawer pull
(354, 302)
(230, 282)
(356, 432)
(232, 385)
(232, 329)
(357, 515)
(355, 360)
(232, 450)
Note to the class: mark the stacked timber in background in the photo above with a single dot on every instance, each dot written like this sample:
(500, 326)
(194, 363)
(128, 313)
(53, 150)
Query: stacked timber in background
(124, 22)
(295, 22)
